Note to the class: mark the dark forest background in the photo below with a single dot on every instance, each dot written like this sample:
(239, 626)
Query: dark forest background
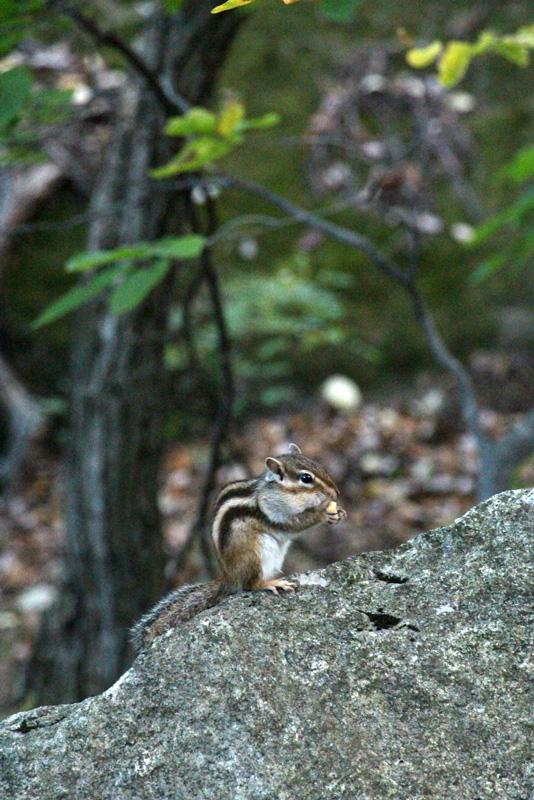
(365, 290)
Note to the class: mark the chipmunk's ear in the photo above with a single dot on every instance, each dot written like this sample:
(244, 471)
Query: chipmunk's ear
(294, 450)
(275, 469)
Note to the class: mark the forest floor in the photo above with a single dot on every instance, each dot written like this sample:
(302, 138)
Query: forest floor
(402, 468)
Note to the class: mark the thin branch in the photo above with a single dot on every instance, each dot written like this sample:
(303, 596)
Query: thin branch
(50, 225)
(225, 347)
(187, 329)
(510, 451)
(170, 103)
(338, 232)
(449, 362)
(222, 233)
(226, 399)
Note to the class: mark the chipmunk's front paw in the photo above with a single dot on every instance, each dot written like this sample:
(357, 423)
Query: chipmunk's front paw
(334, 514)
(277, 585)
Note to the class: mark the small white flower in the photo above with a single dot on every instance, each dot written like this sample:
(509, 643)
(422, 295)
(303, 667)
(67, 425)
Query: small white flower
(198, 195)
(213, 191)
(341, 393)
(461, 102)
(462, 232)
(248, 248)
(373, 83)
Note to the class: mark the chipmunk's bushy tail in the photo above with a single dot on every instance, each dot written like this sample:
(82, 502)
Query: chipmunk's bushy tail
(176, 608)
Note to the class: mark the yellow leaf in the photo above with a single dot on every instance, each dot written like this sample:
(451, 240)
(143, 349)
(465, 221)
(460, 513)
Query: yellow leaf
(230, 4)
(454, 62)
(232, 114)
(421, 57)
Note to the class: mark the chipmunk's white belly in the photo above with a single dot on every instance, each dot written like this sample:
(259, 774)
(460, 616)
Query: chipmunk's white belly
(272, 556)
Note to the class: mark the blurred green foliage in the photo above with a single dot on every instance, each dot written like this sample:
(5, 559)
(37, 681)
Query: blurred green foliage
(511, 231)
(296, 318)
(17, 20)
(26, 104)
(277, 322)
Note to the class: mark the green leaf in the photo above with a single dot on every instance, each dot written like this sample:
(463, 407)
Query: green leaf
(498, 221)
(486, 42)
(7, 10)
(99, 258)
(173, 5)
(76, 297)
(10, 10)
(340, 10)
(194, 155)
(15, 87)
(189, 246)
(512, 51)
(454, 62)
(136, 286)
(230, 4)
(521, 168)
(421, 57)
(487, 268)
(196, 121)
(523, 256)
(260, 123)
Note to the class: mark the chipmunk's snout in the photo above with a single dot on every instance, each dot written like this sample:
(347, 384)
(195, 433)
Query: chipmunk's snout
(328, 493)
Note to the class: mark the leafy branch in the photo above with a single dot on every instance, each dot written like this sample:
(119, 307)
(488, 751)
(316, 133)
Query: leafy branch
(118, 270)
(454, 58)
(210, 136)
(229, 4)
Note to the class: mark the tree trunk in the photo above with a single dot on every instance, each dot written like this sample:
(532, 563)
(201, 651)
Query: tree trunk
(114, 551)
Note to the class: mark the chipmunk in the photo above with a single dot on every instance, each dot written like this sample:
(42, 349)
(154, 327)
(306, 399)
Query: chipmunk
(254, 522)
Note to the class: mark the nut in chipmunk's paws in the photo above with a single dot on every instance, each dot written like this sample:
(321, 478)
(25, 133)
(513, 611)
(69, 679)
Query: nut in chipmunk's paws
(334, 514)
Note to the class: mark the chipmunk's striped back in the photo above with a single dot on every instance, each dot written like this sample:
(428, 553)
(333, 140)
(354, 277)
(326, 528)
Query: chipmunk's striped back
(235, 499)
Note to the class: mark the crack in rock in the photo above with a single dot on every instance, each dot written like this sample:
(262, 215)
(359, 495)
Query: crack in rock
(389, 577)
(382, 621)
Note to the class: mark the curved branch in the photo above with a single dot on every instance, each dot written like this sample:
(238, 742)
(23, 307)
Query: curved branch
(170, 101)
(443, 356)
(356, 240)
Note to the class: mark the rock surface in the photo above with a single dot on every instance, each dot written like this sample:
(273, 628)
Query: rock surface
(406, 674)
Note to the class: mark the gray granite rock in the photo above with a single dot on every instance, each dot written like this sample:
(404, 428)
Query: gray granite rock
(407, 674)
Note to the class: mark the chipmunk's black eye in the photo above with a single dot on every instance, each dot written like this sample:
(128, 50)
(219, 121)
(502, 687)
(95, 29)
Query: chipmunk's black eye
(305, 477)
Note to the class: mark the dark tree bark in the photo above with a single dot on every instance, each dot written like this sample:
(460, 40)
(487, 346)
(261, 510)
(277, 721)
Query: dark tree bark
(114, 552)
(25, 421)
